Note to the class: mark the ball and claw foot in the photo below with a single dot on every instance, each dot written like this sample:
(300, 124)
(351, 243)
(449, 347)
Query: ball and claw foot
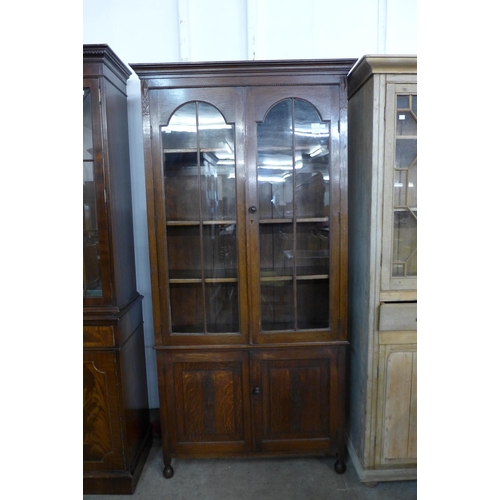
(168, 471)
(339, 466)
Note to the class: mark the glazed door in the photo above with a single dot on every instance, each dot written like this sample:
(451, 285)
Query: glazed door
(294, 211)
(297, 399)
(399, 253)
(198, 144)
(96, 272)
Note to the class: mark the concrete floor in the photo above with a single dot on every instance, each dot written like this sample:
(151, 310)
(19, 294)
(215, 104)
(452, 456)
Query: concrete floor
(256, 479)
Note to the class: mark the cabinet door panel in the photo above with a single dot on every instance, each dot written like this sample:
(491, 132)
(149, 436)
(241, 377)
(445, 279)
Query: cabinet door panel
(398, 404)
(102, 444)
(296, 399)
(207, 402)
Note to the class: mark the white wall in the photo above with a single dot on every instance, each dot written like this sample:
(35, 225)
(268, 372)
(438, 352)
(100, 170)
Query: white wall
(211, 30)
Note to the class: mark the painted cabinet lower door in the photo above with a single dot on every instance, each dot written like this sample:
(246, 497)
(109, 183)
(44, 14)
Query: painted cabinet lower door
(398, 405)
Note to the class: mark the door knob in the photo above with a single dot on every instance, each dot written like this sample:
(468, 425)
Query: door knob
(252, 210)
(256, 391)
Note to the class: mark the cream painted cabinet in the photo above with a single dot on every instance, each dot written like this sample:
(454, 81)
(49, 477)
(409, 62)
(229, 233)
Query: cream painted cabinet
(382, 414)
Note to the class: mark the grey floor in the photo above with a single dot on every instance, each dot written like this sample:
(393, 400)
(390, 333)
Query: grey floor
(257, 479)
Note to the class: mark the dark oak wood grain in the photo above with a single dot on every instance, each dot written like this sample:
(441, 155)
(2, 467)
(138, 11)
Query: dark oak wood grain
(248, 272)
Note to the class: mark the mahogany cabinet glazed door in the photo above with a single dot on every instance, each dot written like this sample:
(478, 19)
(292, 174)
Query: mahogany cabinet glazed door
(102, 443)
(297, 400)
(207, 399)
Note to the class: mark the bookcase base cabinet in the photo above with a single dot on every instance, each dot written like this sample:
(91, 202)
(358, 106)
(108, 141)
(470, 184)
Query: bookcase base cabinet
(117, 434)
(263, 401)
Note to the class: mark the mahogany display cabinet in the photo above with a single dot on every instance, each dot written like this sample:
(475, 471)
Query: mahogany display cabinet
(116, 426)
(246, 179)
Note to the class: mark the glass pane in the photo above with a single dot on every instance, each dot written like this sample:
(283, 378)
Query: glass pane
(222, 307)
(218, 188)
(405, 244)
(293, 185)
(214, 132)
(200, 190)
(277, 305)
(199, 165)
(181, 186)
(92, 283)
(404, 259)
(406, 123)
(312, 250)
(312, 304)
(181, 131)
(218, 184)
(400, 188)
(186, 307)
(276, 250)
(312, 170)
(184, 252)
(403, 101)
(220, 252)
(275, 163)
(406, 152)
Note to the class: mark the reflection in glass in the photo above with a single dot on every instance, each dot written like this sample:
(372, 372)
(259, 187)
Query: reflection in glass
(200, 207)
(92, 284)
(219, 251)
(222, 307)
(199, 165)
(404, 251)
(293, 162)
(293, 169)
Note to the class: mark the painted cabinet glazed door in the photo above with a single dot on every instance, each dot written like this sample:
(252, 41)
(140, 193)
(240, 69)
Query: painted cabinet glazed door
(399, 254)
(207, 407)
(297, 399)
(293, 213)
(198, 168)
